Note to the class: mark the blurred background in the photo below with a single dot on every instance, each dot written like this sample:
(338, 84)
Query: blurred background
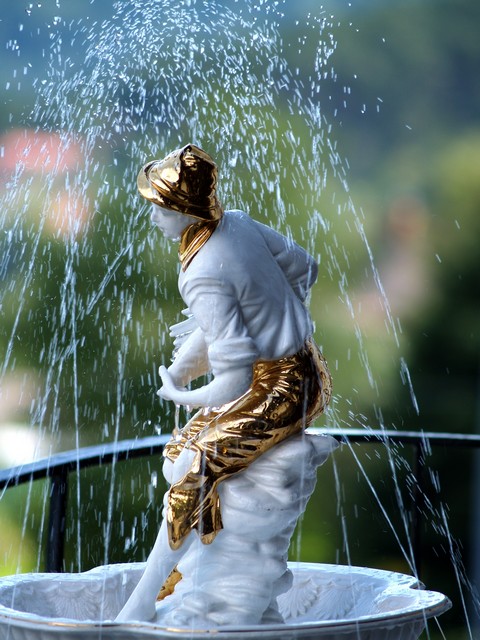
(88, 288)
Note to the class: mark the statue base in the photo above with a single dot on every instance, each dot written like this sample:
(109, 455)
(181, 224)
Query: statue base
(325, 601)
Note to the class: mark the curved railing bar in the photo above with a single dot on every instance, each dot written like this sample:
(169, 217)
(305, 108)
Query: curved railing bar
(82, 458)
(59, 466)
(405, 437)
(143, 447)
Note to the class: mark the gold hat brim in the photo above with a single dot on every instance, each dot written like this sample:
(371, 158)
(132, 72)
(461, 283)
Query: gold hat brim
(149, 192)
(145, 188)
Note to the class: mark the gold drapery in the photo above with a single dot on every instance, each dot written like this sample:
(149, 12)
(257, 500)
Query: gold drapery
(286, 395)
(193, 238)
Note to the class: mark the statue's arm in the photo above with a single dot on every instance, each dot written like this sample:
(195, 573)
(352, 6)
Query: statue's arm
(231, 352)
(190, 360)
(224, 388)
(299, 267)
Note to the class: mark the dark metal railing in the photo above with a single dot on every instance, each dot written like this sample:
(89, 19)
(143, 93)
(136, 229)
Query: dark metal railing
(59, 467)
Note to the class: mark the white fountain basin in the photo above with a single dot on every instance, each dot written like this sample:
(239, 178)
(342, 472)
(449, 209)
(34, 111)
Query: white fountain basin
(325, 601)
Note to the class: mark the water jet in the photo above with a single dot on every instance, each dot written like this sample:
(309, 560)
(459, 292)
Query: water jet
(121, 108)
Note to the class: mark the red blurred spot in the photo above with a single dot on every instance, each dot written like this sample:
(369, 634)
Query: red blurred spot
(38, 151)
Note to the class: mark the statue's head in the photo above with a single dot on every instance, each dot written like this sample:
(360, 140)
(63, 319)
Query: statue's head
(185, 181)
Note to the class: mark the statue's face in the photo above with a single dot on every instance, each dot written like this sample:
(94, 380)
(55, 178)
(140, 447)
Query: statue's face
(170, 222)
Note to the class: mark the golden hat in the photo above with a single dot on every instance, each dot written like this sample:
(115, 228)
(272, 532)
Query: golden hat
(184, 181)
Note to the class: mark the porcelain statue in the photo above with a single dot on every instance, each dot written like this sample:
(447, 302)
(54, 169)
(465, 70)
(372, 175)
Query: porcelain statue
(242, 469)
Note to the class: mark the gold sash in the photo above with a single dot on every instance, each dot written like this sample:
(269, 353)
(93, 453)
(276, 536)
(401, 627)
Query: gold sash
(286, 395)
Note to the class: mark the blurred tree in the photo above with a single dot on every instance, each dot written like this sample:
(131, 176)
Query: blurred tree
(447, 340)
(403, 71)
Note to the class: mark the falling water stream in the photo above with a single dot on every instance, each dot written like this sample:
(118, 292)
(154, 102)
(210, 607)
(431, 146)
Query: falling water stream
(89, 287)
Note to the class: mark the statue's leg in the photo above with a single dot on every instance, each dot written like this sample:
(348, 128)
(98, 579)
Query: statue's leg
(141, 604)
(161, 561)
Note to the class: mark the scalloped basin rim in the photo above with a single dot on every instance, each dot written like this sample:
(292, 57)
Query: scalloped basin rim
(419, 605)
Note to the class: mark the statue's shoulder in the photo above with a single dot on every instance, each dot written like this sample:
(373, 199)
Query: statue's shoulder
(236, 222)
(226, 247)
(237, 232)
(237, 216)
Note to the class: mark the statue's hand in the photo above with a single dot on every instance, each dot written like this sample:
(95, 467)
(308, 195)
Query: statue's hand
(169, 391)
(224, 388)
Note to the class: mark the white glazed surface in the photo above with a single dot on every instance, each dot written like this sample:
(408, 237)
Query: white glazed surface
(246, 289)
(325, 601)
(237, 578)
